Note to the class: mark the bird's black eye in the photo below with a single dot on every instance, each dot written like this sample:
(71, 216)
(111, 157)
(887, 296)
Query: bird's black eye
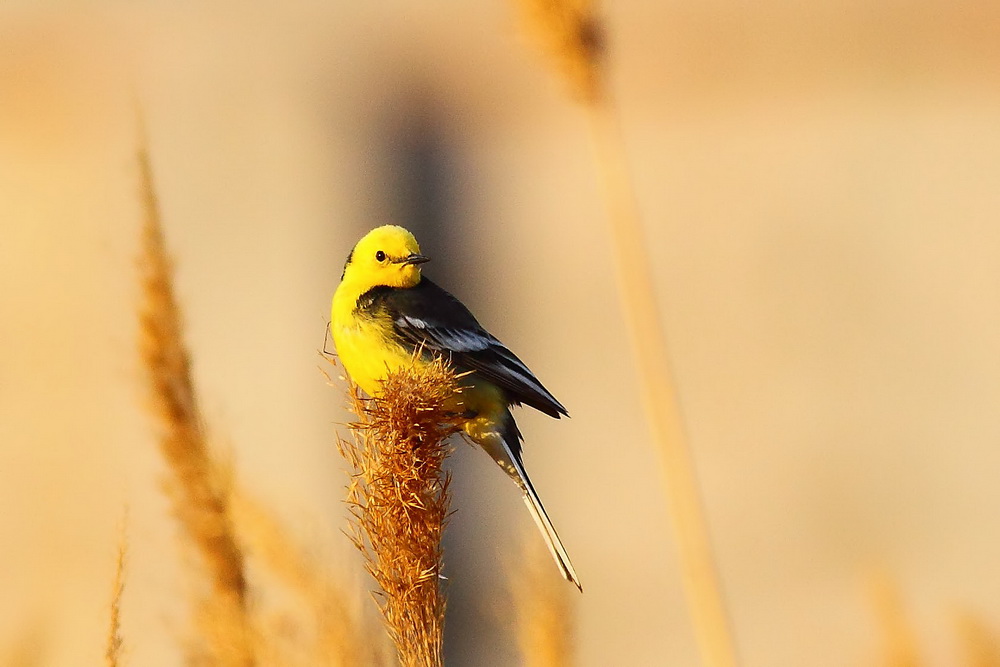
(380, 256)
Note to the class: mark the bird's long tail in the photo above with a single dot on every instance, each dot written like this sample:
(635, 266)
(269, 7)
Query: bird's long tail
(510, 460)
(548, 531)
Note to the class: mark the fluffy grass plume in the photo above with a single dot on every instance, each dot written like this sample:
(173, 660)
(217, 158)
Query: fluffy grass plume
(565, 26)
(196, 490)
(571, 35)
(543, 610)
(398, 494)
(113, 647)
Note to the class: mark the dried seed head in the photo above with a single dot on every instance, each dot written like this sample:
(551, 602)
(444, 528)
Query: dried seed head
(398, 494)
(572, 35)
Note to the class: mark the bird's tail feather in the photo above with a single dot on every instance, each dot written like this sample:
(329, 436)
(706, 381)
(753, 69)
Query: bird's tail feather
(552, 541)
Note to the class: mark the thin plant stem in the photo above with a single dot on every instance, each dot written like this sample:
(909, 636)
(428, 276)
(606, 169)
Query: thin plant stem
(658, 390)
(573, 36)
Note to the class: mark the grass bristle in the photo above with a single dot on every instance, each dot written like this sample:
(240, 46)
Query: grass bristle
(399, 500)
(113, 648)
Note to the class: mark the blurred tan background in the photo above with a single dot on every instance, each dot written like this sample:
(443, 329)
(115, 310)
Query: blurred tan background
(820, 185)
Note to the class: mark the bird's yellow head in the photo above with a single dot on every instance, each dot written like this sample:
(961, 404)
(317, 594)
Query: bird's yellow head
(386, 256)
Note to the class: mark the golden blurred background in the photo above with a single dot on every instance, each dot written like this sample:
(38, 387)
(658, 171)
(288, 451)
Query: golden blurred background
(820, 188)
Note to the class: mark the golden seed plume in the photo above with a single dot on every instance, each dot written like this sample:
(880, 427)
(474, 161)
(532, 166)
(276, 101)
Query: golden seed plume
(398, 495)
(543, 610)
(199, 498)
(571, 35)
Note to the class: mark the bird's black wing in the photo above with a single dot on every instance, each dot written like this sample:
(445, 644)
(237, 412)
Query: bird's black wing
(426, 316)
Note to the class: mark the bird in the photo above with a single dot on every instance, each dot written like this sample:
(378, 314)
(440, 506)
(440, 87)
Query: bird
(387, 315)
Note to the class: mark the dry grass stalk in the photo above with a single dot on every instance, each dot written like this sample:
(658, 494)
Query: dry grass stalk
(342, 637)
(199, 501)
(570, 33)
(113, 649)
(399, 497)
(543, 610)
(659, 396)
(899, 640)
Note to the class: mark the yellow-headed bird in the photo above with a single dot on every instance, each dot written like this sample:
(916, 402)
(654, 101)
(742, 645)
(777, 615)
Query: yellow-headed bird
(386, 315)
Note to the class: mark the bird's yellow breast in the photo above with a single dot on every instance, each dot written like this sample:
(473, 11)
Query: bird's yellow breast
(366, 346)
(369, 351)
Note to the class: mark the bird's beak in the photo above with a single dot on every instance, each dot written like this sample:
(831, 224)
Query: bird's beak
(414, 258)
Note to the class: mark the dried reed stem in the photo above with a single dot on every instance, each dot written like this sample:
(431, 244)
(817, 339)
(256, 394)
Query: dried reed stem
(199, 499)
(659, 396)
(399, 499)
(113, 649)
(543, 610)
